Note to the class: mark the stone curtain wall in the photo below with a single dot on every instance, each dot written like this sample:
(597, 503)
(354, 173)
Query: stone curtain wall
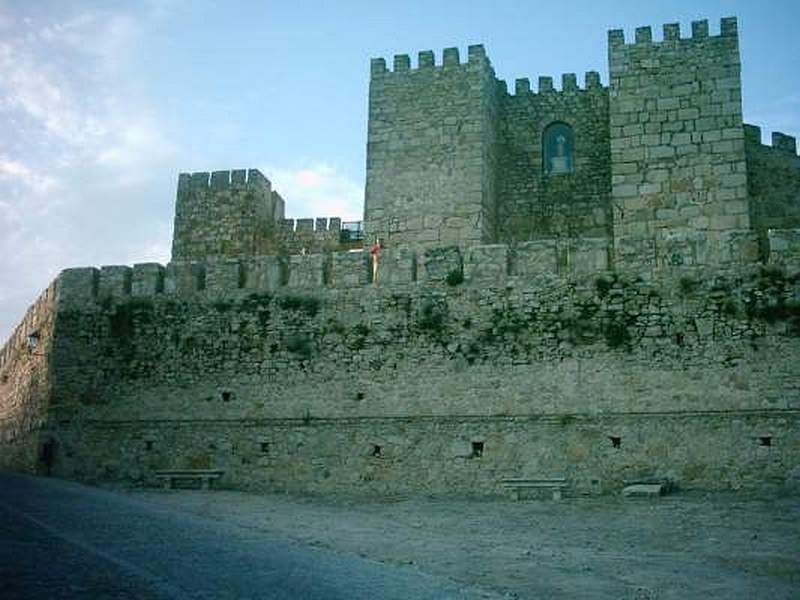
(225, 214)
(25, 387)
(677, 142)
(532, 205)
(429, 172)
(294, 386)
(773, 182)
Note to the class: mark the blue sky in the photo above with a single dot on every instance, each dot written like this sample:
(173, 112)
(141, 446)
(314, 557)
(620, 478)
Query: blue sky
(102, 104)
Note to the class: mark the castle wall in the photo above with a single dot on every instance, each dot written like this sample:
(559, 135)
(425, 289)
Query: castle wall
(622, 329)
(677, 143)
(429, 155)
(25, 392)
(773, 182)
(435, 455)
(292, 387)
(533, 205)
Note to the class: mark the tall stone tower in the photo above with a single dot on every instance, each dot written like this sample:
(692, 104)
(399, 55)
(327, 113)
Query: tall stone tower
(430, 150)
(679, 181)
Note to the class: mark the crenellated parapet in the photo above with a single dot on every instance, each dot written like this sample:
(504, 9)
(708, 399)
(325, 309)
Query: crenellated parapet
(671, 33)
(569, 84)
(311, 235)
(773, 184)
(780, 142)
(426, 62)
(479, 265)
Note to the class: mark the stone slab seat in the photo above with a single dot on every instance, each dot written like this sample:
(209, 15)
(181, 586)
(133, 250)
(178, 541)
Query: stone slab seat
(643, 490)
(169, 476)
(518, 486)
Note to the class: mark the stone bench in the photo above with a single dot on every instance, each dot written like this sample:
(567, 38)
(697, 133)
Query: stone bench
(205, 476)
(520, 488)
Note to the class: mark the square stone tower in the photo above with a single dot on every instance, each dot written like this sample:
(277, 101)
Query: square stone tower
(679, 180)
(225, 214)
(430, 150)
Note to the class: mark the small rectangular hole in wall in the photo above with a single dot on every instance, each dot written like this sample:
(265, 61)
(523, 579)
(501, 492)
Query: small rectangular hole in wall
(377, 451)
(477, 449)
(765, 440)
(616, 441)
(359, 395)
(265, 447)
(148, 444)
(227, 396)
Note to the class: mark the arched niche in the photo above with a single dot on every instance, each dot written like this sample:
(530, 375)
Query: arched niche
(558, 149)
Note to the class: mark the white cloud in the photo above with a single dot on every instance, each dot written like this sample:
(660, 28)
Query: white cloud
(317, 191)
(15, 171)
(81, 148)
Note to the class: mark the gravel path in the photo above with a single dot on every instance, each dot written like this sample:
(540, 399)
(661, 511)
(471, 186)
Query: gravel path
(60, 539)
(682, 546)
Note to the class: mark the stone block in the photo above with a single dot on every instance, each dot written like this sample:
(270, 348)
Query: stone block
(739, 247)
(147, 279)
(224, 276)
(534, 258)
(397, 266)
(309, 270)
(266, 273)
(678, 249)
(77, 287)
(114, 281)
(587, 255)
(486, 264)
(183, 278)
(438, 263)
(350, 269)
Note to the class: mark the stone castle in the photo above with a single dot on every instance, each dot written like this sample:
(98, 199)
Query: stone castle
(600, 284)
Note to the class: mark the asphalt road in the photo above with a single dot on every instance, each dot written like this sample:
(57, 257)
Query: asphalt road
(60, 539)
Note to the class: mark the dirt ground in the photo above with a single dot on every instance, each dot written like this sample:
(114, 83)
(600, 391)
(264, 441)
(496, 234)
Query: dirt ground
(684, 545)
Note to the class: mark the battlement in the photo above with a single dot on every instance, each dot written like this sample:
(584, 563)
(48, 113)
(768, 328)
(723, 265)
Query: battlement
(569, 84)
(426, 60)
(489, 264)
(482, 265)
(671, 33)
(221, 180)
(316, 225)
(780, 141)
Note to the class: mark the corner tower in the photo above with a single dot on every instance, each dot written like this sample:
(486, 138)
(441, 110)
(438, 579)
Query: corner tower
(679, 181)
(227, 214)
(431, 150)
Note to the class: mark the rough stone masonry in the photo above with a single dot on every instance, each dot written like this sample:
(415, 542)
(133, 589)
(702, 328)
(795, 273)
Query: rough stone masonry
(591, 283)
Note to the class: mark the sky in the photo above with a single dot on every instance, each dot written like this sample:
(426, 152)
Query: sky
(103, 104)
